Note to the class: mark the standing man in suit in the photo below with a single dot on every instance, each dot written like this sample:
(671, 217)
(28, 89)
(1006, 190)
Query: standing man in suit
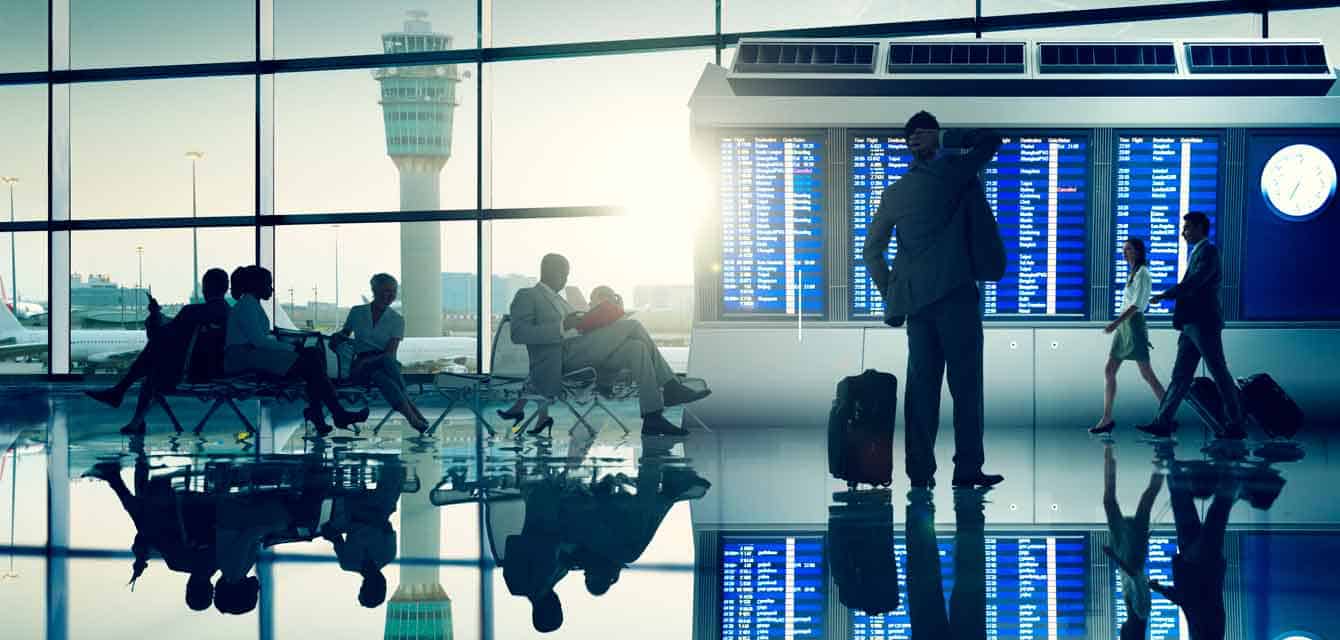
(1198, 317)
(932, 284)
(547, 324)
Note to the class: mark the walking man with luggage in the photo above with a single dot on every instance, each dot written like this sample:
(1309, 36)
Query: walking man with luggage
(936, 207)
(1198, 317)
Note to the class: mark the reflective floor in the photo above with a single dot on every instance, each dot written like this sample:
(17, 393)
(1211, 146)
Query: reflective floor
(737, 531)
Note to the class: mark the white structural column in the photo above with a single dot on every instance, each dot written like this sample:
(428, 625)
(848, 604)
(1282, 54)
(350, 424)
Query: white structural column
(421, 245)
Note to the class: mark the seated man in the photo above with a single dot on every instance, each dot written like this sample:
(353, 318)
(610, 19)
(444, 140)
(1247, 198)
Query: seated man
(545, 322)
(161, 361)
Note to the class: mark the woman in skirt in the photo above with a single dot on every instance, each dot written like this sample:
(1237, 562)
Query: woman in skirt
(1130, 336)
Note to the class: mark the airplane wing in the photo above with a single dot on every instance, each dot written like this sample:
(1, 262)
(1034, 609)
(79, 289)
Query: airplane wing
(28, 350)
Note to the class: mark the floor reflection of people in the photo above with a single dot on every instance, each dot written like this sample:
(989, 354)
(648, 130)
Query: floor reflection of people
(1199, 566)
(598, 529)
(179, 528)
(360, 530)
(244, 523)
(861, 557)
(966, 618)
(1130, 544)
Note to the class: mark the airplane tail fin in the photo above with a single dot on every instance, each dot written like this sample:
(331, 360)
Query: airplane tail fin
(8, 322)
(282, 320)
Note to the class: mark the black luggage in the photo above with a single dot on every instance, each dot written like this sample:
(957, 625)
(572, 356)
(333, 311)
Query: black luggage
(1205, 400)
(860, 429)
(1270, 406)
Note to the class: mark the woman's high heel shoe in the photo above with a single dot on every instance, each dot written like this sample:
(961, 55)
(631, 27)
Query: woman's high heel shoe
(346, 418)
(514, 416)
(318, 421)
(544, 425)
(1106, 427)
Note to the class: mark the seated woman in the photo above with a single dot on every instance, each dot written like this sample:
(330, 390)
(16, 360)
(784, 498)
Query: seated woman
(606, 307)
(377, 330)
(250, 347)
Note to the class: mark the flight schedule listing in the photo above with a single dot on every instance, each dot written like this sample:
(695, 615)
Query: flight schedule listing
(1035, 590)
(772, 587)
(877, 161)
(1160, 178)
(1038, 187)
(772, 220)
(1165, 618)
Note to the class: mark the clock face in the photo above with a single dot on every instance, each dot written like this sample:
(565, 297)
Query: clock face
(1298, 181)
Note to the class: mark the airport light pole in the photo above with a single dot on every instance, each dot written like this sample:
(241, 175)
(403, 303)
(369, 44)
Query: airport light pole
(139, 280)
(13, 259)
(316, 308)
(337, 271)
(195, 243)
(292, 305)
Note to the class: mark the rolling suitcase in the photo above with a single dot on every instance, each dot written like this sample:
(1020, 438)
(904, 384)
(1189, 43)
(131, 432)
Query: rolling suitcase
(860, 429)
(1270, 406)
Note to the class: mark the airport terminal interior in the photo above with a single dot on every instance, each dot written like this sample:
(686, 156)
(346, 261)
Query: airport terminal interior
(702, 320)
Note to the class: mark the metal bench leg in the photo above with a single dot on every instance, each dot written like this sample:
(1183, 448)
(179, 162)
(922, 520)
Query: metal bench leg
(162, 402)
(250, 427)
(581, 419)
(611, 414)
(218, 402)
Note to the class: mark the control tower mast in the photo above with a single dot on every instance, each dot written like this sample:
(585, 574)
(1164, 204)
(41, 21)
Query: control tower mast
(417, 107)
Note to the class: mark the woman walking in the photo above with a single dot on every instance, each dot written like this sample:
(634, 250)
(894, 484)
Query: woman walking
(1130, 340)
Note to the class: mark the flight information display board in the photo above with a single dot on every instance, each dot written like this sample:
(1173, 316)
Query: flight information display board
(1038, 187)
(1165, 619)
(1035, 589)
(877, 161)
(772, 220)
(772, 587)
(1159, 178)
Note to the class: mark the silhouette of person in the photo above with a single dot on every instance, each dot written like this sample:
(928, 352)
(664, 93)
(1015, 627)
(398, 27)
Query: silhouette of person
(180, 527)
(1131, 337)
(161, 362)
(1130, 544)
(1198, 317)
(547, 324)
(252, 348)
(610, 528)
(377, 330)
(933, 285)
(1199, 566)
(534, 560)
(245, 522)
(966, 617)
(361, 533)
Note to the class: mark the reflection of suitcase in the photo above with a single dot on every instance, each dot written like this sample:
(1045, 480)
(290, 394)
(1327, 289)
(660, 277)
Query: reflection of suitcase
(861, 558)
(860, 428)
(1205, 400)
(1270, 406)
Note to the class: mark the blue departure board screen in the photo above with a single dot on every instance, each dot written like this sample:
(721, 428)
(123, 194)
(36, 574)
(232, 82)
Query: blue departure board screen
(1035, 588)
(772, 220)
(877, 161)
(1165, 619)
(1159, 178)
(1038, 187)
(772, 587)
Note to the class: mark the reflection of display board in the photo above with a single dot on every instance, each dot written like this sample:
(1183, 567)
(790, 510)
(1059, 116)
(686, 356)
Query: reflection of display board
(1035, 588)
(1038, 187)
(772, 587)
(877, 161)
(1159, 178)
(772, 218)
(1293, 223)
(1165, 619)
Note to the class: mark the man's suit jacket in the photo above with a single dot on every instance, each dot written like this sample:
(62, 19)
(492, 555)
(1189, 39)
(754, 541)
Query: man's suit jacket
(932, 260)
(1197, 295)
(537, 322)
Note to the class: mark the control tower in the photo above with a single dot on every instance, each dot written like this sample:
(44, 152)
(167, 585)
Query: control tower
(417, 106)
